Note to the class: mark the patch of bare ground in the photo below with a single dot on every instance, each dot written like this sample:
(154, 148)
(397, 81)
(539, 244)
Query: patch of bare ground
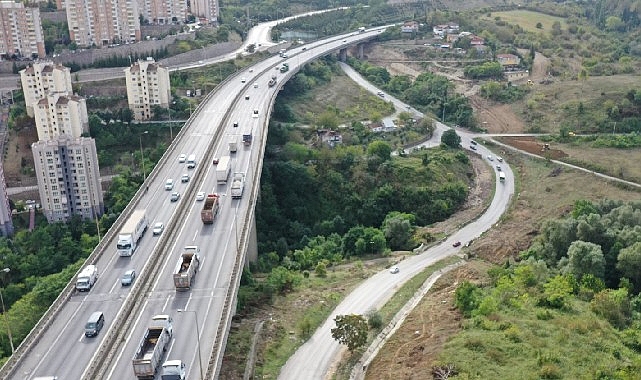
(18, 155)
(411, 352)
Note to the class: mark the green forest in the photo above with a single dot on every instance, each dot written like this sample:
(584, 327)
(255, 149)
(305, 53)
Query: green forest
(570, 308)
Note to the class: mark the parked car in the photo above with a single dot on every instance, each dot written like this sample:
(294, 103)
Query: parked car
(128, 278)
(175, 196)
(200, 196)
(159, 227)
(394, 270)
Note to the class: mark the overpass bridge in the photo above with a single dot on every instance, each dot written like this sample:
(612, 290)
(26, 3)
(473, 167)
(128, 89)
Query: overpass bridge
(202, 316)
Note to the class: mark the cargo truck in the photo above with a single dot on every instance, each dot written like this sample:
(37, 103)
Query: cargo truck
(247, 139)
(186, 268)
(210, 208)
(131, 233)
(86, 278)
(155, 342)
(237, 185)
(502, 176)
(223, 170)
(233, 145)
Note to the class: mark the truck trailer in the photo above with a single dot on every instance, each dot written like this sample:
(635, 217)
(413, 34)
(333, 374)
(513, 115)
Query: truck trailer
(210, 208)
(223, 170)
(237, 185)
(131, 232)
(155, 342)
(186, 268)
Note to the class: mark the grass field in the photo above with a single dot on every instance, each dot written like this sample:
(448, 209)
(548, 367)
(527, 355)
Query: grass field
(528, 20)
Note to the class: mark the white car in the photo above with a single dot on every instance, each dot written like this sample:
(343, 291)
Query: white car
(256, 85)
(200, 196)
(255, 113)
(243, 80)
(182, 158)
(489, 157)
(394, 270)
(159, 227)
(499, 159)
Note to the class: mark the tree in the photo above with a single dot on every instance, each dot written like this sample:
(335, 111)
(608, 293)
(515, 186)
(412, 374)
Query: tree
(398, 229)
(613, 305)
(585, 258)
(350, 330)
(451, 138)
(629, 264)
(381, 149)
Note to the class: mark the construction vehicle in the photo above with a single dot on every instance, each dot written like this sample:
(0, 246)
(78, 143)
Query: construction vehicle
(186, 268)
(237, 185)
(154, 343)
(210, 208)
(131, 232)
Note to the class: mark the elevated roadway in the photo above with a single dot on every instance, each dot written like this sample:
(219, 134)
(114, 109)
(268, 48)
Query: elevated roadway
(57, 346)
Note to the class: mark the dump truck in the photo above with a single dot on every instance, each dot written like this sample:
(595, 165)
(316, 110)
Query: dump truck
(86, 278)
(186, 268)
(210, 208)
(223, 169)
(272, 81)
(131, 232)
(148, 357)
(284, 68)
(237, 185)
(247, 139)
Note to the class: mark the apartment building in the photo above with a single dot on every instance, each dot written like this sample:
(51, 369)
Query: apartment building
(162, 12)
(6, 223)
(206, 10)
(21, 31)
(60, 114)
(147, 85)
(41, 79)
(103, 22)
(68, 178)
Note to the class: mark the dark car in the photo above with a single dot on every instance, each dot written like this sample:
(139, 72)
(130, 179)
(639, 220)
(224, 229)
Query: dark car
(457, 244)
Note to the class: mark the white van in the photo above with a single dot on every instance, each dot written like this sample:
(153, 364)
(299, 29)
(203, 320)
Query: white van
(169, 185)
(191, 161)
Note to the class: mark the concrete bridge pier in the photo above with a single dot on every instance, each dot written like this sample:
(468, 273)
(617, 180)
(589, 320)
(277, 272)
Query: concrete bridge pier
(360, 51)
(342, 55)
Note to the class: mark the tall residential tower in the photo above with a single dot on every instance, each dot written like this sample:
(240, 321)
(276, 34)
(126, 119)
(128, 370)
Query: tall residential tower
(147, 85)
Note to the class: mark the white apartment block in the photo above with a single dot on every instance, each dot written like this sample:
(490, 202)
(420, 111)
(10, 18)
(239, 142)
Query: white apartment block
(68, 178)
(6, 223)
(205, 9)
(161, 12)
(60, 114)
(41, 79)
(103, 22)
(21, 31)
(147, 85)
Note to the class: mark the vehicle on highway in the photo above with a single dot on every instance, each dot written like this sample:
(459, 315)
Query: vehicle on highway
(210, 208)
(381, 94)
(246, 97)
(473, 142)
(457, 244)
(255, 113)
(128, 278)
(182, 158)
(499, 159)
(215, 160)
(87, 278)
(173, 370)
(186, 268)
(489, 157)
(131, 232)
(200, 196)
(169, 184)
(223, 170)
(255, 84)
(46, 378)
(243, 80)
(191, 161)
(498, 167)
(151, 349)
(502, 176)
(175, 196)
(235, 124)
(394, 270)
(159, 227)
(184, 178)
(473, 147)
(251, 70)
(94, 323)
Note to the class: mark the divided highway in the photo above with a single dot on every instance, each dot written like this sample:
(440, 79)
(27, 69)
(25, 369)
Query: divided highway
(61, 349)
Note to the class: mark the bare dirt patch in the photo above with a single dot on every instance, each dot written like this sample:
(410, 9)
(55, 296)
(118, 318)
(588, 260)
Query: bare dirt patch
(18, 155)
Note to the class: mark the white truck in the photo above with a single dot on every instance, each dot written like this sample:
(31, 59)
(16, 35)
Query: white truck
(502, 176)
(131, 233)
(155, 342)
(223, 169)
(237, 185)
(86, 278)
(173, 370)
(186, 268)
(233, 145)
